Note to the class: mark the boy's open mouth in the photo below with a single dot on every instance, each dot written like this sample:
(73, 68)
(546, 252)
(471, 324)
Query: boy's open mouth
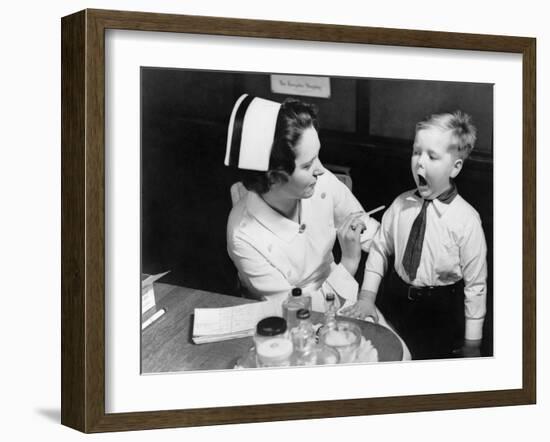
(422, 181)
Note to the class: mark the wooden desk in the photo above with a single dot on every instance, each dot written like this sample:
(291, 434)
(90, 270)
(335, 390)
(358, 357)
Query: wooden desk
(166, 345)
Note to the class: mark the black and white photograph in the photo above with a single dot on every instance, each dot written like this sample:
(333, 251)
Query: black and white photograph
(305, 220)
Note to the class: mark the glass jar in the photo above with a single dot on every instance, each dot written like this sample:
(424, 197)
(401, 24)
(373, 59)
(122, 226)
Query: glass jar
(345, 337)
(273, 344)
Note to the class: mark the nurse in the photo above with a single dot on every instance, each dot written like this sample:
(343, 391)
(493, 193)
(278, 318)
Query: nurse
(280, 235)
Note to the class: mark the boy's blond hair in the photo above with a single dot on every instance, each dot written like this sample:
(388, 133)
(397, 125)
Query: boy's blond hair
(463, 131)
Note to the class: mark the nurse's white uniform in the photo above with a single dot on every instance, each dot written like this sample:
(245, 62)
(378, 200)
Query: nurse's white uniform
(274, 254)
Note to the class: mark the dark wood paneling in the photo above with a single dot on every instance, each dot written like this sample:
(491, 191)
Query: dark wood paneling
(185, 203)
(185, 186)
(397, 105)
(186, 94)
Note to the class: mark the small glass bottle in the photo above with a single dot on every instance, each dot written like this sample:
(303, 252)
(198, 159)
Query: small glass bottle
(303, 339)
(273, 344)
(292, 304)
(330, 311)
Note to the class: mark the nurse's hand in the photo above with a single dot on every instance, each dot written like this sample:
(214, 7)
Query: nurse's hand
(349, 235)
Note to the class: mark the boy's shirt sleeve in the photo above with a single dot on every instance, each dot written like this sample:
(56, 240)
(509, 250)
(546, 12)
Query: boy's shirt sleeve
(382, 246)
(473, 261)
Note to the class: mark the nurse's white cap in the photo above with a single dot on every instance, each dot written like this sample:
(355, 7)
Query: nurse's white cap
(251, 132)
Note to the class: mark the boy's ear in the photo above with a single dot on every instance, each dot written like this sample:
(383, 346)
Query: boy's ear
(457, 167)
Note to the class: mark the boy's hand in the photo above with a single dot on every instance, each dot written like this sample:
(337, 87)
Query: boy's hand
(471, 348)
(363, 308)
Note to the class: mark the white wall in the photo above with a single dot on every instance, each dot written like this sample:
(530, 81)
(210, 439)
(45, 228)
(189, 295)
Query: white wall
(30, 216)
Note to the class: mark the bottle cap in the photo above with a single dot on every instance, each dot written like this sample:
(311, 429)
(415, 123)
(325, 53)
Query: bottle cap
(303, 313)
(296, 291)
(271, 326)
(329, 296)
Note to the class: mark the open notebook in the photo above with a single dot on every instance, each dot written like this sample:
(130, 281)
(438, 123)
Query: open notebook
(220, 324)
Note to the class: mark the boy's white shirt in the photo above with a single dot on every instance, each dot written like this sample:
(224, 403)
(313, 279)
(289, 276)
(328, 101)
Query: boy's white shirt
(454, 248)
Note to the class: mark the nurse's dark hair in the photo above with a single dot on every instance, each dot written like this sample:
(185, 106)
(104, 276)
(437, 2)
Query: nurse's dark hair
(293, 119)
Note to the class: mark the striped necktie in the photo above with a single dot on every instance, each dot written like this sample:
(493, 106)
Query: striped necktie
(413, 250)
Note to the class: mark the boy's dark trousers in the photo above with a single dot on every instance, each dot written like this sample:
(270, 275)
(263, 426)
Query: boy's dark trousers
(429, 319)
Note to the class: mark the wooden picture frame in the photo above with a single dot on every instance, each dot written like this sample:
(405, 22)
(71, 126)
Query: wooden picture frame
(83, 220)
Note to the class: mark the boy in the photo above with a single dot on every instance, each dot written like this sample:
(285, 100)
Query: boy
(437, 299)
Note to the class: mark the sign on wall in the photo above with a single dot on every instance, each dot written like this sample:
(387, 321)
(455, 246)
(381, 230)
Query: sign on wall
(301, 85)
